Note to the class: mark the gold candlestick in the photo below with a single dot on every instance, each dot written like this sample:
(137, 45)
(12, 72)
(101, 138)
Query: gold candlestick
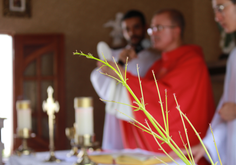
(70, 133)
(23, 149)
(85, 142)
(23, 126)
(50, 106)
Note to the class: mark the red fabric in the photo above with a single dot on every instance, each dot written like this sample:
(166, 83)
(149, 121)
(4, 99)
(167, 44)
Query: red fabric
(183, 72)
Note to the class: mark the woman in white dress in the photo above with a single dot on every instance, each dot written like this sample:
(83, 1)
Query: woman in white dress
(224, 121)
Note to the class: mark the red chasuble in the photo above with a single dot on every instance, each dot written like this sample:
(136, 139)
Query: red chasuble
(183, 72)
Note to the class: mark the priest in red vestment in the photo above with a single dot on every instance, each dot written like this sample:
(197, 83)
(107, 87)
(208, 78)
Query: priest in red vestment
(182, 71)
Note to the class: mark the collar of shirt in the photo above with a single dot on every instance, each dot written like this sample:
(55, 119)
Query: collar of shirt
(176, 54)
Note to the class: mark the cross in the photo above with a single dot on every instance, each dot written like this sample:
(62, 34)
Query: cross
(50, 106)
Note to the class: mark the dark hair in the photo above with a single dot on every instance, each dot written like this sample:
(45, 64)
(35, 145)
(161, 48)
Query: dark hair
(176, 17)
(134, 13)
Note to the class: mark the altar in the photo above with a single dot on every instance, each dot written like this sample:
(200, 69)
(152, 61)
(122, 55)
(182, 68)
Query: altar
(82, 136)
(39, 158)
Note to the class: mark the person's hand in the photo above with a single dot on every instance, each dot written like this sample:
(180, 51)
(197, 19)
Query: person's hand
(228, 111)
(197, 151)
(130, 53)
(109, 71)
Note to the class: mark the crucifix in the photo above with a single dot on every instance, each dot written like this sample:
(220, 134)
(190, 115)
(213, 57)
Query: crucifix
(50, 106)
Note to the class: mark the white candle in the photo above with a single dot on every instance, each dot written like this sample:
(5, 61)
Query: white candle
(23, 114)
(83, 115)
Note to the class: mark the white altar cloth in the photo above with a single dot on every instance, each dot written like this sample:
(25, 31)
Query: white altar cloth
(39, 157)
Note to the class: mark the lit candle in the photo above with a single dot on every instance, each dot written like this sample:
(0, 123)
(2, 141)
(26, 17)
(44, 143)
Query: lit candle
(83, 115)
(23, 115)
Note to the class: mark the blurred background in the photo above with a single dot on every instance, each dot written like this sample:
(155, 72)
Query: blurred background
(79, 25)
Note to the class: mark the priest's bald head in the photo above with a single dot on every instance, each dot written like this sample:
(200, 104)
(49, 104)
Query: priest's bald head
(225, 14)
(167, 29)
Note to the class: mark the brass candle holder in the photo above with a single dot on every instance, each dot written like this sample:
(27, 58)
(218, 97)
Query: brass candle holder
(23, 126)
(23, 149)
(85, 142)
(84, 134)
(50, 106)
(70, 133)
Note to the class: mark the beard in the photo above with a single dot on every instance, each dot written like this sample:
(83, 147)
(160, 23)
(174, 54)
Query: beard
(135, 40)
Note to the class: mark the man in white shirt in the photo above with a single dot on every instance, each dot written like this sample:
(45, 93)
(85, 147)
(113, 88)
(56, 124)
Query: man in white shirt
(134, 31)
(224, 121)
